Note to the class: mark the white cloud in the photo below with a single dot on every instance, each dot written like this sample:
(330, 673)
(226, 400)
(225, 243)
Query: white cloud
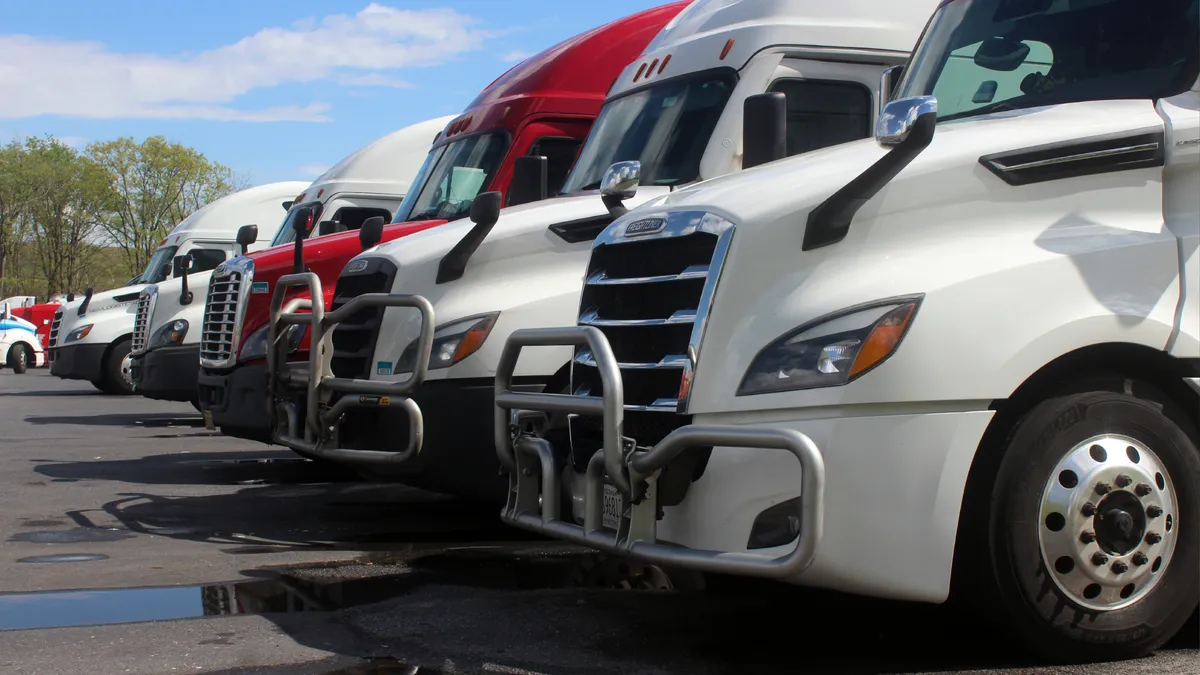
(311, 170)
(46, 76)
(76, 142)
(516, 55)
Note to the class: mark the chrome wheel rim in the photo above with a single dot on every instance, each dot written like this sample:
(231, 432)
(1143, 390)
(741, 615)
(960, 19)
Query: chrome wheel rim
(127, 369)
(1108, 522)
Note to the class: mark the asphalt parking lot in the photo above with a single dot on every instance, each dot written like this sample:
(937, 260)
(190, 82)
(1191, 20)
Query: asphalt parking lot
(133, 540)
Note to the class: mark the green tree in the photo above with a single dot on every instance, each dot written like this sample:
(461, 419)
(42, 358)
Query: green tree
(14, 201)
(152, 186)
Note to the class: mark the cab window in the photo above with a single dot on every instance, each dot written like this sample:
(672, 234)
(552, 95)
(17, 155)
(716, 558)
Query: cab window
(205, 259)
(821, 113)
(560, 153)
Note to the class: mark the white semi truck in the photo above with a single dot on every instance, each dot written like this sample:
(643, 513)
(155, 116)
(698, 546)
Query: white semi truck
(724, 85)
(92, 338)
(20, 348)
(370, 182)
(963, 356)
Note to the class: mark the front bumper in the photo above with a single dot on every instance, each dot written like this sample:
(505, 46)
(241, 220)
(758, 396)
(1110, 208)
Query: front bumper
(167, 373)
(879, 503)
(238, 400)
(79, 362)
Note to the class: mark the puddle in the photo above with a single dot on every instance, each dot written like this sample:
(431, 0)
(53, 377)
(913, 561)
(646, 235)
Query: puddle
(64, 558)
(76, 535)
(301, 589)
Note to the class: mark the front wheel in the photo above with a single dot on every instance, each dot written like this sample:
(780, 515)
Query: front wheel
(118, 378)
(17, 359)
(1091, 547)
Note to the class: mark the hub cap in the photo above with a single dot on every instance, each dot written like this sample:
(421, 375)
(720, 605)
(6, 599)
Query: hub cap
(1108, 522)
(127, 369)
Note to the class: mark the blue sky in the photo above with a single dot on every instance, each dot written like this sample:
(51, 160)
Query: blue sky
(275, 89)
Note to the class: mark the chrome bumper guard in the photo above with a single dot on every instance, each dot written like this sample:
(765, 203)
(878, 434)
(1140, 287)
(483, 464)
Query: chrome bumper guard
(534, 491)
(313, 432)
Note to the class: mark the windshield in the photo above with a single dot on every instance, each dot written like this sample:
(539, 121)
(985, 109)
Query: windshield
(159, 267)
(982, 56)
(453, 174)
(666, 127)
(285, 234)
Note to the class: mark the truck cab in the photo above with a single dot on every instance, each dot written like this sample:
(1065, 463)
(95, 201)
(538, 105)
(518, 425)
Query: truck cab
(368, 183)
(20, 347)
(91, 338)
(724, 86)
(165, 351)
(541, 108)
(959, 359)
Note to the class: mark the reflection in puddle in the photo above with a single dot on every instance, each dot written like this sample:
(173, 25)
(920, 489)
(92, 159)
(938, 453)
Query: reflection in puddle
(64, 557)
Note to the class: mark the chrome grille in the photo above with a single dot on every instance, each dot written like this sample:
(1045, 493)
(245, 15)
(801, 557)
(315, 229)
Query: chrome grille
(55, 324)
(649, 294)
(142, 319)
(223, 312)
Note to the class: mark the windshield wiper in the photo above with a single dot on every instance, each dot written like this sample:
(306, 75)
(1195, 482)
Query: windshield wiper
(999, 106)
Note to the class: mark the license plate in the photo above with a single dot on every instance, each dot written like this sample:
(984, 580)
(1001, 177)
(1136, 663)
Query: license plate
(612, 507)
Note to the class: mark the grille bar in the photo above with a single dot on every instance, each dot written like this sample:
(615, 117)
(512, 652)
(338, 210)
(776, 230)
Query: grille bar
(224, 310)
(584, 357)
(691, 272)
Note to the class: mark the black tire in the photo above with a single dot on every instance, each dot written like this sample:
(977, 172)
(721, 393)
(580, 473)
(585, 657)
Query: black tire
(114, 382)
(100, 385)
(16, 358)
(1007, 567)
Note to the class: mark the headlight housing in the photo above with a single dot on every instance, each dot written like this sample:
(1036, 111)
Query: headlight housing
(255, 346)
(833, 350)
(79, 333)
(170, 335)
(452, 343)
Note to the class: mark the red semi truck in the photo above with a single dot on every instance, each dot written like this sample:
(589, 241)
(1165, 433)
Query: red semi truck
(543, 107)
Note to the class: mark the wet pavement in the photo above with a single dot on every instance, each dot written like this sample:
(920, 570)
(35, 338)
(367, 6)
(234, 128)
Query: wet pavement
(132, 540)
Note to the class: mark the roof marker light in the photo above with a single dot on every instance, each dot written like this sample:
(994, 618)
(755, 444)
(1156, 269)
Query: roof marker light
(666, 60)
(650, 70)
(726, 48)
(639, 72)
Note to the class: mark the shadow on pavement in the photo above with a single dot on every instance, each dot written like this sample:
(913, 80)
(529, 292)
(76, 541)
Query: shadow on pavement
(145, 420)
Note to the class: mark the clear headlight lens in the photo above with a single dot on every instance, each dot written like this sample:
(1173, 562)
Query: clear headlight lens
(170, 335)
(831, 351)
(255, 346)
(79, 333)
(451, 343)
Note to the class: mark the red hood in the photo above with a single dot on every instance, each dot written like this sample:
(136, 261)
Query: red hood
(324, 256)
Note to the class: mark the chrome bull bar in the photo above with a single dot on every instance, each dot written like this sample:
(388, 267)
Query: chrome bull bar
(534, 498)
(314, 432)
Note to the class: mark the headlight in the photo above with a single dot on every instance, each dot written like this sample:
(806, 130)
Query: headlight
(256, 345)
(79, 333)
(451, 343)
(170, 334)
(832, 350)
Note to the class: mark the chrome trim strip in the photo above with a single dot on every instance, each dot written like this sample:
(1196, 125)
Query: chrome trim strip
(1096, 154)
(692, 272)
(680, 316)
(585, 358)
(716, 266)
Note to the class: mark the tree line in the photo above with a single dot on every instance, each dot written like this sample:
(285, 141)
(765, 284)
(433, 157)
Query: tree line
(93, 217)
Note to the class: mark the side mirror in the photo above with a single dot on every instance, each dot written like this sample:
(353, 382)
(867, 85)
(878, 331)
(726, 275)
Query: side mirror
(4, 311)
(183, 264)
(70, 297)
(302, 224)
(370, 232)
(530, 180)
(906, 117)
(764, 129)
(246, 236)
(287, 205)
(485, 211)
(887, 85)
(329, 227)
(620, 183)
(1001, 54)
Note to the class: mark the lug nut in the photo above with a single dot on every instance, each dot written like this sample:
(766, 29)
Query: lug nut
(1153, 538)
(1119, 567)
(1142, 490)
(1140, 559)
(1087, 537)
(1099, 559)
(1089, 509)
(1103, 488)
(1123, 481)
(1154, 510)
